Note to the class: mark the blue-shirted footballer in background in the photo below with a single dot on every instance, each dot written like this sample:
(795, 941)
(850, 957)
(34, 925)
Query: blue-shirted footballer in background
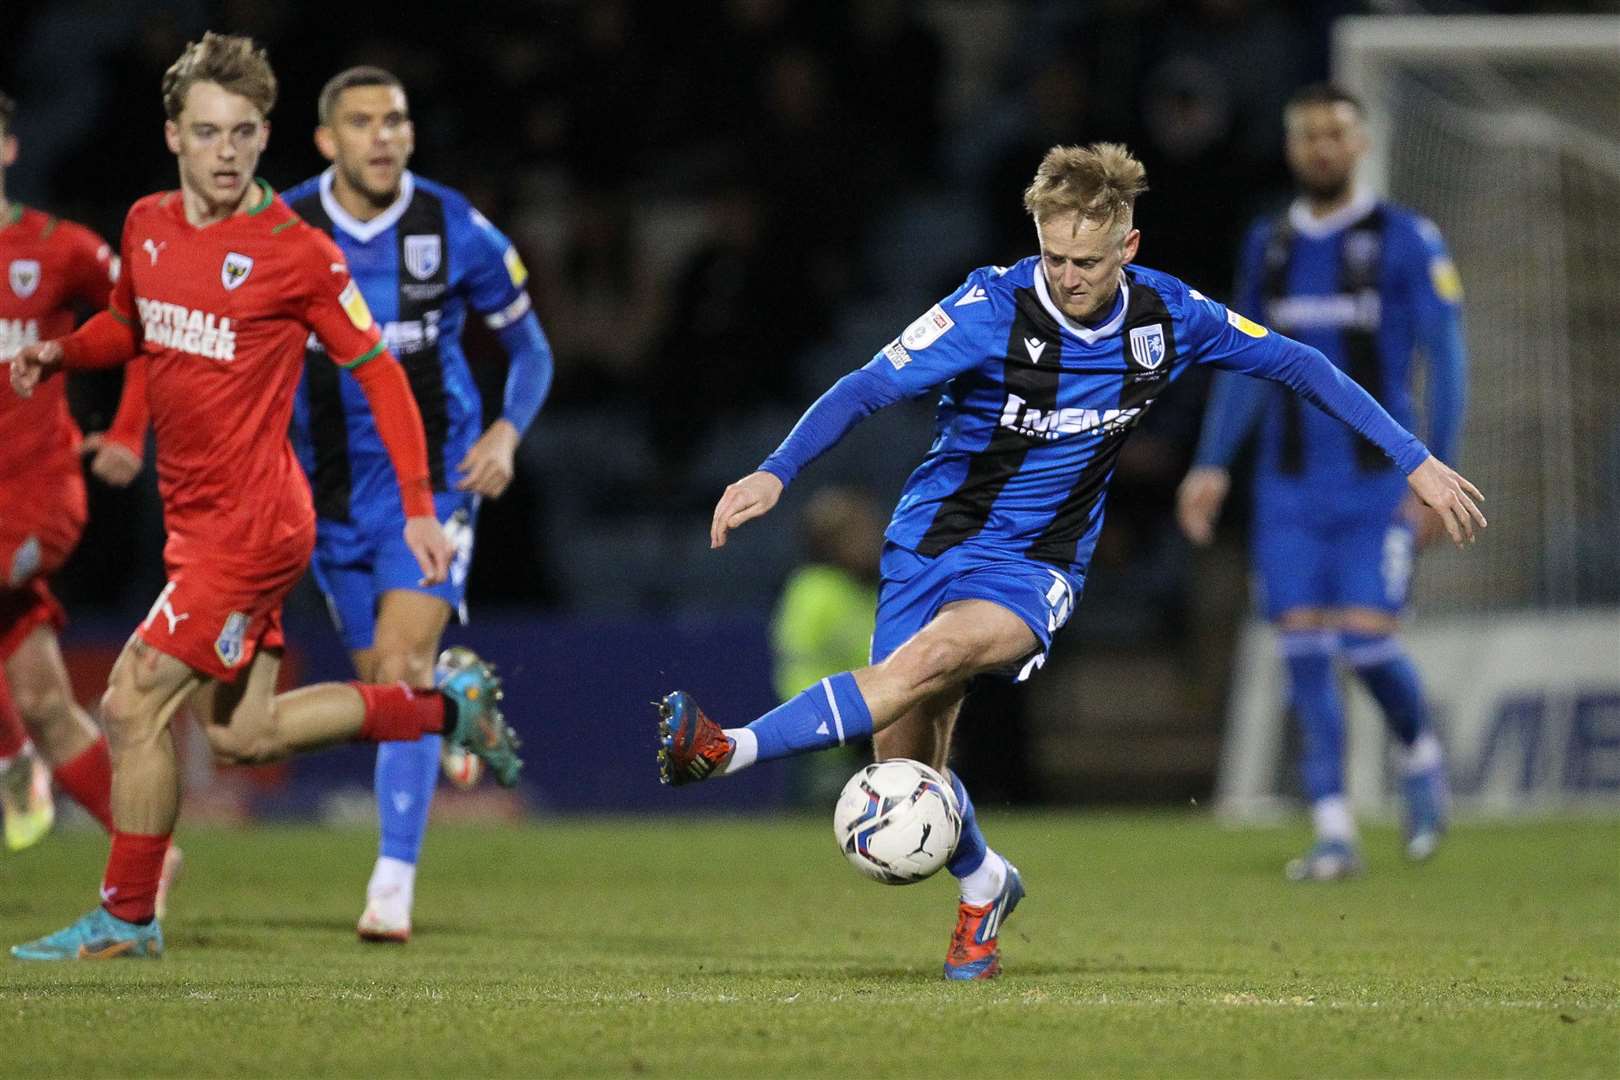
(424, 260)
(1368, 283)
(1046, 367)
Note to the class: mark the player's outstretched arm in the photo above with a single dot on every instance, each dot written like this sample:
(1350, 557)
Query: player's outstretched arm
(751, 497)
(1449, 494)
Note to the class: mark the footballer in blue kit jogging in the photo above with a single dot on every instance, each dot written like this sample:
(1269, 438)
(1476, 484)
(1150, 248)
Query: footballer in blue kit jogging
(425, 261)
(1335, 530)
(1045, 367)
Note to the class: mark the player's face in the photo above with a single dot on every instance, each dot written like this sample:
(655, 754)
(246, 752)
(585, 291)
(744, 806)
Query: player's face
(1325, 143)
(1082, 261)
(370, 139)
(218, 138)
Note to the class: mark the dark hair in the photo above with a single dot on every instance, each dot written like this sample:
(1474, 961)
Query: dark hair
(348, 79)
(232, 61)
(1324, 93)
(8, 113)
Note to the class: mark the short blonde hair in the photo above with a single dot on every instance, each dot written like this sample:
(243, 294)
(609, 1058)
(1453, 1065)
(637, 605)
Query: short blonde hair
(1099, 183)
(230, 60)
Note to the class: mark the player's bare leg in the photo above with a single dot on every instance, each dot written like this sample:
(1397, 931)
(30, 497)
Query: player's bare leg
(909, 704)
(1372, 647)
(965, 639)
(68, 740)
(405, 644)
(60, 728)
(144, 690)
(248, 723)
(25, 783)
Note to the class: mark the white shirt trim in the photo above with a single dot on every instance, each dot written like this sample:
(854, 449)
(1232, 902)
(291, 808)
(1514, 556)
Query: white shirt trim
(366, 231)
(1085, 334)
(1307, 224)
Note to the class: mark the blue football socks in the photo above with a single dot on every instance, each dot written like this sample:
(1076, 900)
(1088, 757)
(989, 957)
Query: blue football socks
(1314, 694)
(830, 713)
(407, 773)
(1392, 679)
(971, 848)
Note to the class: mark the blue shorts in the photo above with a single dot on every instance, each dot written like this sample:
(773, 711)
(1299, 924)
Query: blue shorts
(1305, 562)
(355, 562)
(915, 587)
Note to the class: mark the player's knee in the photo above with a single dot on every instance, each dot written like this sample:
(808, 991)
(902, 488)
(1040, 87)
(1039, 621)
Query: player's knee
(410, 665)
(43, 704)
(126, 717)
(930, 662)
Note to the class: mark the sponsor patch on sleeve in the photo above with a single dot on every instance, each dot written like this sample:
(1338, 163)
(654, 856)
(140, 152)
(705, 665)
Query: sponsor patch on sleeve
(1447, 282)
(1247, 326)
(896, 354)
(514, 267)
(927, 330)
(354, 305)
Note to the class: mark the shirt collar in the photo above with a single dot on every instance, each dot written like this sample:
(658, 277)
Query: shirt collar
(1084, 333)
(1307, 224)
(366, 231)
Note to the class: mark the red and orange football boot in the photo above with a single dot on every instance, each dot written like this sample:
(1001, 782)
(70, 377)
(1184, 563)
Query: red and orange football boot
(690, 745)
(975, 949)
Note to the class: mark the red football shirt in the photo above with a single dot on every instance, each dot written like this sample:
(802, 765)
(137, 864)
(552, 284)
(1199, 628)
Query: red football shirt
(223, 313)
(49, 265)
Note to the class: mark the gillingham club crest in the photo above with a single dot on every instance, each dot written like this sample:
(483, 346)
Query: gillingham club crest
(235, 269)
(1147, 345)
(422, 255)
(24, 277)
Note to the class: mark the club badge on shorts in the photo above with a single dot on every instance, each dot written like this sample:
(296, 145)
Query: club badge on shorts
(232, 640)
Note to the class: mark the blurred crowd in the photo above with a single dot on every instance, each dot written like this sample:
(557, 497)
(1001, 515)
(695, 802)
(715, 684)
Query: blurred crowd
(725, 205)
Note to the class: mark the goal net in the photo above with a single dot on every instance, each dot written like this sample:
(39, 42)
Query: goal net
(1506, 133)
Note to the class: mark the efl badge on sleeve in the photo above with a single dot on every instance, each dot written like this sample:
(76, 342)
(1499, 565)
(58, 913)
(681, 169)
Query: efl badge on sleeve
(515, 268)
(1147, 345)
(423, 255)
(354, 305)
(24, 277)
(235, 269)
(1247, 326)
(927, 329)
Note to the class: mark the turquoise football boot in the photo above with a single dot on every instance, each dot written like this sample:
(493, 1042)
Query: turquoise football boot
(100, 935)
(479, 728)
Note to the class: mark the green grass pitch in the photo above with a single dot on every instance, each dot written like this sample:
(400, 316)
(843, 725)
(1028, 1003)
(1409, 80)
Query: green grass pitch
(1148, 946)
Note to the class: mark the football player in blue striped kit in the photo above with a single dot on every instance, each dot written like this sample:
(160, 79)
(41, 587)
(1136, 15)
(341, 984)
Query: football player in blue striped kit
(1046, 367)
(1369, 283)
(425, 260)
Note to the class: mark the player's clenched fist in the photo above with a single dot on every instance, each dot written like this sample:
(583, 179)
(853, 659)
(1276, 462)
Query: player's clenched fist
(32, 363)
(749, 498)
(433, 550)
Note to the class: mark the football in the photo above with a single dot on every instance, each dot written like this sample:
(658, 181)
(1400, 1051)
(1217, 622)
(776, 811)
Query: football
(897, 821)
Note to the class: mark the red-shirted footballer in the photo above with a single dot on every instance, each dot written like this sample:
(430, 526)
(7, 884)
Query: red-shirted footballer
(222, 286)
(48, 268)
